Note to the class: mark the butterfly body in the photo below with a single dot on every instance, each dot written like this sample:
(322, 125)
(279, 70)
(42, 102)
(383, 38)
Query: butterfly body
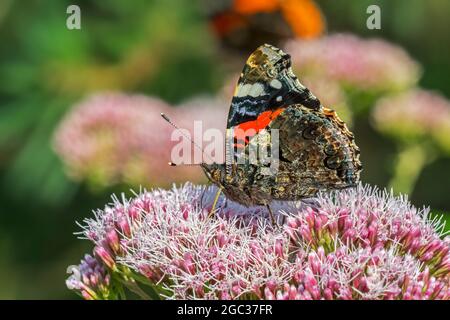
(311, 151)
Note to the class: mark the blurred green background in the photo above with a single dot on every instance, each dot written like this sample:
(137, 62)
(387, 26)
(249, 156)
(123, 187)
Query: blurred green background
(166, 49)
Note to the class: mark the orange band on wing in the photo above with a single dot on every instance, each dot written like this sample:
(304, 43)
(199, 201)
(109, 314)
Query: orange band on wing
(244, 131)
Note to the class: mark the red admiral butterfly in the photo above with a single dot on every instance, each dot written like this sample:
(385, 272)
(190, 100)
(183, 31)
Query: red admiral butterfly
(316, 150)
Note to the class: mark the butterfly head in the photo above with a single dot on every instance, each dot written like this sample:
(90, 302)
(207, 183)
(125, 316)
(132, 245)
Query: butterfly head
(215, 172)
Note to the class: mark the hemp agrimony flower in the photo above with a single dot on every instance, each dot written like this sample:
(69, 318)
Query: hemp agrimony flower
(359, 243)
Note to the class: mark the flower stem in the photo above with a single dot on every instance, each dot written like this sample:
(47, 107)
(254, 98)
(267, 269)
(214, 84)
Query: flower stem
(131, 285)
(410, 162)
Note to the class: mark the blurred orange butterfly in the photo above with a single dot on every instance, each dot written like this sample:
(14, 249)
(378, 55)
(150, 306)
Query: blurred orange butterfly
(245, 24)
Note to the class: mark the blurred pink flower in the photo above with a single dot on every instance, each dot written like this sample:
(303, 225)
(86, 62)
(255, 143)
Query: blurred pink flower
(116, 138)
(414, 114)
(374, 64)
(331, 94)
(359, 243)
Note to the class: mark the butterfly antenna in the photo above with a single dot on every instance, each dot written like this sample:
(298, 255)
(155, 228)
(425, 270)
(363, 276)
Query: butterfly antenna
(184, 164)
(165, 117)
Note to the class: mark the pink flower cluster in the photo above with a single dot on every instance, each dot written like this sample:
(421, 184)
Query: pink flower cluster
(415, 114)
(117, 138)
(373, 64)
(359, 243)
(90, 279)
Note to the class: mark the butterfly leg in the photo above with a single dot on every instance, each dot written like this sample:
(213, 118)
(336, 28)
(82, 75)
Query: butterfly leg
(213, 208)
(272, 217)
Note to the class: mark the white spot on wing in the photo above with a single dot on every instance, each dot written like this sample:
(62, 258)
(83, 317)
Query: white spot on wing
(256, 90)
(243, 90)
(275, 84)
(253, 90)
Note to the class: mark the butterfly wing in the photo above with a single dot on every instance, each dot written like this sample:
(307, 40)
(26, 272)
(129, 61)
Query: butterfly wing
(267, 83)
(316, 152)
